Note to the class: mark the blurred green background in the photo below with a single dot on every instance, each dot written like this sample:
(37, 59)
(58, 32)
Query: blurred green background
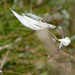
(27, 51)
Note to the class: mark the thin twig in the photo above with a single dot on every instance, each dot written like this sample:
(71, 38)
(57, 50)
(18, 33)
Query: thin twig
(53, 35)
(4, 59)
(61, 31)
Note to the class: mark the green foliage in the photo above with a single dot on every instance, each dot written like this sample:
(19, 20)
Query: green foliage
(25, 54)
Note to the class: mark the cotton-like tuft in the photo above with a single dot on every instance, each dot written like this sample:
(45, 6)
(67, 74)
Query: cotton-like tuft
(32, 21)
(0, 71)
(64, 42)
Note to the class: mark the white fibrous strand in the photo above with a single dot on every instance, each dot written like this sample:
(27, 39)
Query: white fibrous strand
(32, 21)
(33, 16)
(64, 42)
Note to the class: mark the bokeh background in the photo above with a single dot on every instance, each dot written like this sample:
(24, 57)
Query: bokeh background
(25, 49)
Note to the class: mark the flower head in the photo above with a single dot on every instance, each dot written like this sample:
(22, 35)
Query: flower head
(64, 42)
(32, 21)
(0, 71)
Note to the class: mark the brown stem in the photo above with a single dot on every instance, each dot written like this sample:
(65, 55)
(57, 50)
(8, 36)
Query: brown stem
(61, 31)
(4, 59)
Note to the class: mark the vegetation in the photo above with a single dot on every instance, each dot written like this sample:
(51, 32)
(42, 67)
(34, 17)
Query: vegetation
(26, 51)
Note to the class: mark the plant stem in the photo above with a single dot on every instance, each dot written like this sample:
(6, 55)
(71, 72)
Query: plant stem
(45, 61)
(4, 59)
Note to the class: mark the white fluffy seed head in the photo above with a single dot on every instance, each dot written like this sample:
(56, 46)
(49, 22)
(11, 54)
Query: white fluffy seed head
(0, 71)
(64, 42)
(32, 21)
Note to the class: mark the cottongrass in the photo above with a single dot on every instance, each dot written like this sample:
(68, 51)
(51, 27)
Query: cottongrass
(64, 42)
(35, 22)
(32, 21)
(0, 71)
